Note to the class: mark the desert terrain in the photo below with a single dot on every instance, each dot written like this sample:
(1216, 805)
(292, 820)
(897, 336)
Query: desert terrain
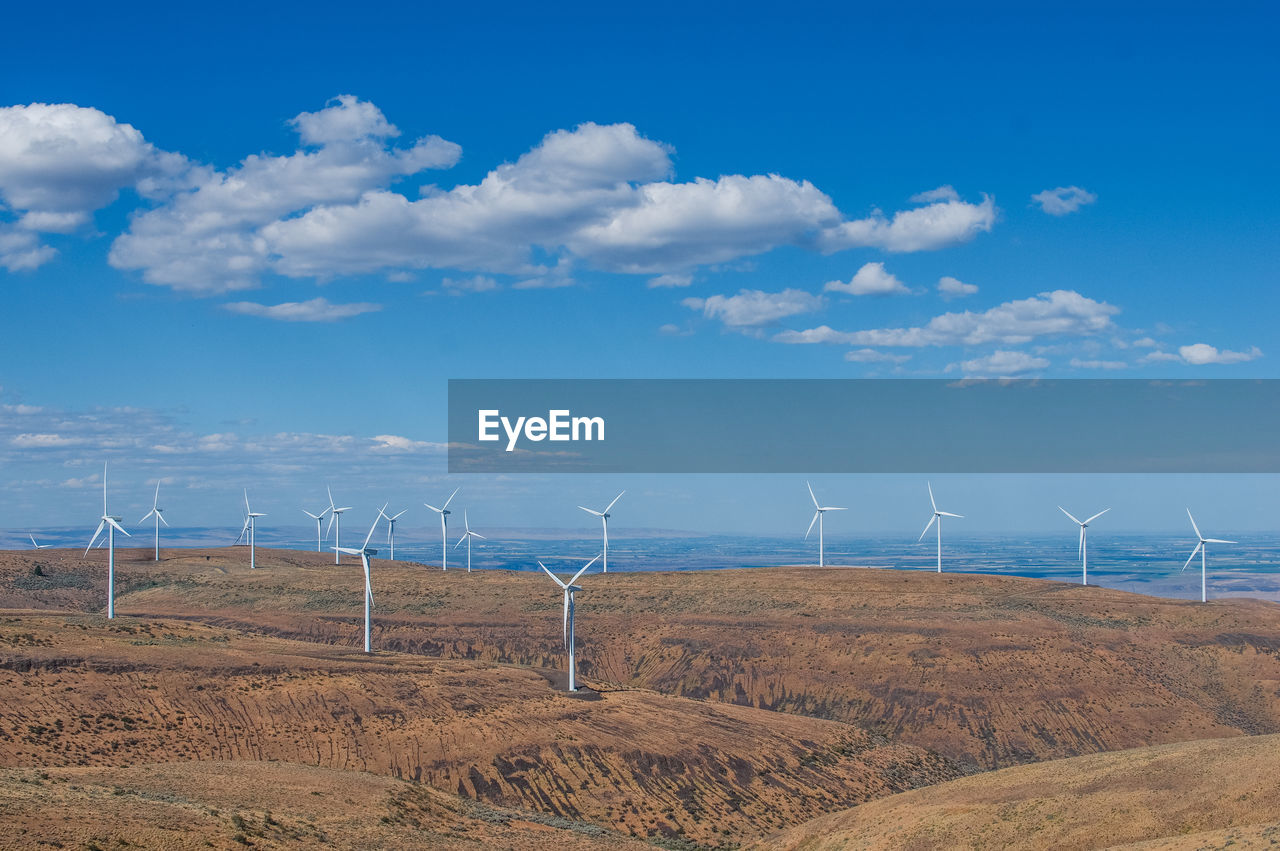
(727, 706)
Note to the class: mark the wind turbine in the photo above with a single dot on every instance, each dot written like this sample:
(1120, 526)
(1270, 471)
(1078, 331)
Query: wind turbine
(604, 522)
(466, 536)
(936, 518)
(1084, 543)
(1202, 549)
(444, 513)
(364, 552)
(317, 518)
(112, 525)
(38, 546)
(158, 513)
(391, 531)
(569, 590)
(819, 510)
(335, 524)
(251, 524)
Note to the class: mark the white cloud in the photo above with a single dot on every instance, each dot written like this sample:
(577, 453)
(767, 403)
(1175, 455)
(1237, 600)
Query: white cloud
(1200, 354)
(953, 288)
(753, 308)
(1160, 357)
(942, 193)
(211, 239)
(59, 163)
(672, 330)
(871, 279)
(474, 284)
(874, 356)
(1077, 363)
(672, 279)
(925, 228)
(1063, 200)
(42, 441)
(396, 443)
(1061, 312)
(1001, 363)
(314, 310)
(1145, 343)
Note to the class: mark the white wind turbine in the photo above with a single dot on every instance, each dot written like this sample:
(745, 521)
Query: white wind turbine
(112, 525)
(467, 536)
(444, 513)
(1202, 549)
(569, 590)
(38, 546)
(158, 513)
(319, 537)
(936, 518)
(365, 552)
(604, 522)
(335, 524)
(1084, 541)
(819, 510)
(250, 526)
(391, 530)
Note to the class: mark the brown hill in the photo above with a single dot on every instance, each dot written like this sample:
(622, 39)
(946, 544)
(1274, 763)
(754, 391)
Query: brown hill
(79, 690)
(1209, 794)
(987, 670)
(234, 805)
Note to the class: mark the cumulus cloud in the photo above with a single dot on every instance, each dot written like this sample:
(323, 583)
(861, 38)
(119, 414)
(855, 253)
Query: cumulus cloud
(211, 239)
(61, 162)
(1202, 354)
(474, 284)
(1001, 363)
(1061, 312)
(671, 279)
(1063, 200)
(314, 310)
(754, 308)
(874, 356)
(871, 279)
(942, 193)
(952, 288)
(933, 226)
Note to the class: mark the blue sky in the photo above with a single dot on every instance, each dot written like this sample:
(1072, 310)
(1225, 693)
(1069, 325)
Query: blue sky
(498, 190)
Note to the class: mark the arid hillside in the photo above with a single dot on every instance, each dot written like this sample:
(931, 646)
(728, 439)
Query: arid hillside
(1210, 794)
(79, 690)
(234, 805)
(989, 671)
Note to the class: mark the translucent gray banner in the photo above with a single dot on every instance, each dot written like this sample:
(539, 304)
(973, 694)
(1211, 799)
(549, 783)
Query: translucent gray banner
(863, 426)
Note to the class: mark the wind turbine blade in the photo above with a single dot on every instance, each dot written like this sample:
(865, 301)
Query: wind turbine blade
(833, 508)
(584, 569)
(144, 517)
(351, 551)
(247, 509)
(552, 575)
(1193, 525)
(160, 514)
(1069, 514)
(1096, 516)
(932, 519)
(309, 514)
(397, 517)
(329, 528)
(591, 511)
(1219, 541)
(565, 626)
(812, 497)
(466, 522)
(931, 502)
(612, 504)
(949, 514)
(460, 540)
(156, 501)
(450, 499)
(1194, 552)
(104, 488)
(432, 507)
(373, 527)
(101, 525)
(329, 491)
(118, 527)
(816, 515)
(1080, 549)
(478, 535)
